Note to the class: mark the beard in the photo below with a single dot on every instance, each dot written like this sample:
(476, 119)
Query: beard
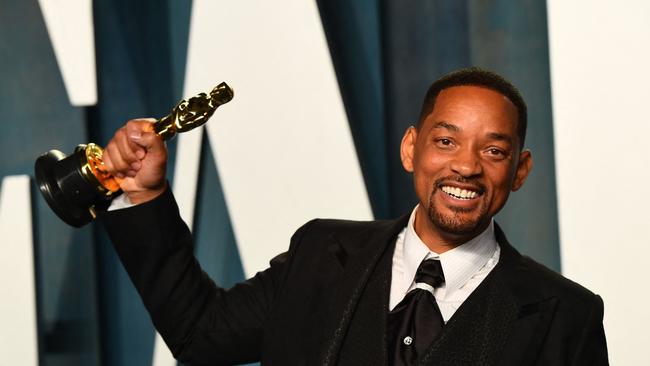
(460, 221)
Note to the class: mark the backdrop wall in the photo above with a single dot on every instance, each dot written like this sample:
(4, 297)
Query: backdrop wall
(341, 81)
(600, 94)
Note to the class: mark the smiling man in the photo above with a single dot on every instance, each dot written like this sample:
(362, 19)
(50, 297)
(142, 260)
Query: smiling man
(466, 156)
(438, 286)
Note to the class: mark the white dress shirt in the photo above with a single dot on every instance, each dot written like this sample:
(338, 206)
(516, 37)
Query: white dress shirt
(120, 202)
(464, 267)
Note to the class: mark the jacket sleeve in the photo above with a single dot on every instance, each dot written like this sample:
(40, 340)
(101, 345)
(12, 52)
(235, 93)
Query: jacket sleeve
(592, 349)
(200, 322)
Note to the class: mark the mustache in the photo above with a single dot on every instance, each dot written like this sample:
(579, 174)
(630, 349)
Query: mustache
(477, 184)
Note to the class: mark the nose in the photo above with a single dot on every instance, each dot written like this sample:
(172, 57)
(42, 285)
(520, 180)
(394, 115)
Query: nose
(466, 163)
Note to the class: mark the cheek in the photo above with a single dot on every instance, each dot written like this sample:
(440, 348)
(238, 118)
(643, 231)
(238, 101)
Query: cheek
(422, 185)
(430, 163)
(501, 181)
(425, 175)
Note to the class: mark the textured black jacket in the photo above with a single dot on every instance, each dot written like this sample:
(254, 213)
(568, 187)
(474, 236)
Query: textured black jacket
(325, 301)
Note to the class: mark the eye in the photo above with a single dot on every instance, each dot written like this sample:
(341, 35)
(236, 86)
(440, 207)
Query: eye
(444, 142)
(496, 153)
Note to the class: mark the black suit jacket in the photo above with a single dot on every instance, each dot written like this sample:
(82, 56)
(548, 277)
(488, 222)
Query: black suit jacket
(325, 301)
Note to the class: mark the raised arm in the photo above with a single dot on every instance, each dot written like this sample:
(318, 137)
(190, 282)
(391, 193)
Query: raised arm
(200, 322)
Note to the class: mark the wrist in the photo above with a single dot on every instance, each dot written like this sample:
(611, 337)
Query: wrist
(139, 197)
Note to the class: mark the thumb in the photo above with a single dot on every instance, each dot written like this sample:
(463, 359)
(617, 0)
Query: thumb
(150, 141)
(135, 128)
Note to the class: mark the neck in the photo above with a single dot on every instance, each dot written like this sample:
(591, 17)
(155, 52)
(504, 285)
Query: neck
(437, 239)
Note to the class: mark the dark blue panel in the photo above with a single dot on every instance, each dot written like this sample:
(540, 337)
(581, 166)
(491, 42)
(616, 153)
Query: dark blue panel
(511, 38)
(36, 112)
(215, 243)
(179, 31)
(422, 41)
(37, 116)
(354, 37)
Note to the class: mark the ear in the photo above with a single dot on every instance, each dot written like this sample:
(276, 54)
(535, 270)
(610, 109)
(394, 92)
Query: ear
(407, 148)
(524, 167)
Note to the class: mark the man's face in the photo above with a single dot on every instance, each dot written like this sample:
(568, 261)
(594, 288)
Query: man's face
(465, 160)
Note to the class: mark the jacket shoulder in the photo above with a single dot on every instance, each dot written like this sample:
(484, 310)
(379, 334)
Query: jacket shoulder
(552, 284)
(351, 235)
(349, 226)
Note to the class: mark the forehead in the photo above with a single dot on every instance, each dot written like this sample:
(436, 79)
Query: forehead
(473, 107)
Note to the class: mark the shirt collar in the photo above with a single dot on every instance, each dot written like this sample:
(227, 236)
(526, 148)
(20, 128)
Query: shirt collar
(458, 264)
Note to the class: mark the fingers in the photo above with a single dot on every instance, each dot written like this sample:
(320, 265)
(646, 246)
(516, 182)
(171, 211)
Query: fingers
(108, 163)
(134, 130)
(114, 160)
(123, 154)
(147, 141)
(129, 154)
(143, 138)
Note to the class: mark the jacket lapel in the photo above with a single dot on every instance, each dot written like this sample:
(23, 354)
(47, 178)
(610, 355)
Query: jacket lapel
(359, 309)
(503, 322)
(535, 310)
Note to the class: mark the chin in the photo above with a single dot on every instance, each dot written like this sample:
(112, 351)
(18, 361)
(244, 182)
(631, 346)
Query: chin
(454, 225)
(459, 222)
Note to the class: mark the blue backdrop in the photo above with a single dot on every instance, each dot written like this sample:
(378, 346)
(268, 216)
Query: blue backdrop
(385, 53)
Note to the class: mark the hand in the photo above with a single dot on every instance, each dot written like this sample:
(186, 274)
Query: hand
(137, 157)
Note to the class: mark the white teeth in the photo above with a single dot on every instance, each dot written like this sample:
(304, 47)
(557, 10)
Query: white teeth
(456, 192)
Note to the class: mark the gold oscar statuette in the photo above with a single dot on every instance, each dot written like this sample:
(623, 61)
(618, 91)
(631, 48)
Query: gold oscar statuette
(76, 185)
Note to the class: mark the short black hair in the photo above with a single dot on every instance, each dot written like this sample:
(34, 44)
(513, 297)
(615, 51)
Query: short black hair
(476, 76)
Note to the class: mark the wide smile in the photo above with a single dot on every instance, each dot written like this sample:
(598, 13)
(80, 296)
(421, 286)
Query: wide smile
(460, 193)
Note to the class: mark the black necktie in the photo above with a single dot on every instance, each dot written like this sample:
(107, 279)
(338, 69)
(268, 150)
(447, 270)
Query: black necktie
(416, 321)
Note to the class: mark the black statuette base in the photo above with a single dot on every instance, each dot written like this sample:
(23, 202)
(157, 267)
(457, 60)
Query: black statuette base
(66, 190)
